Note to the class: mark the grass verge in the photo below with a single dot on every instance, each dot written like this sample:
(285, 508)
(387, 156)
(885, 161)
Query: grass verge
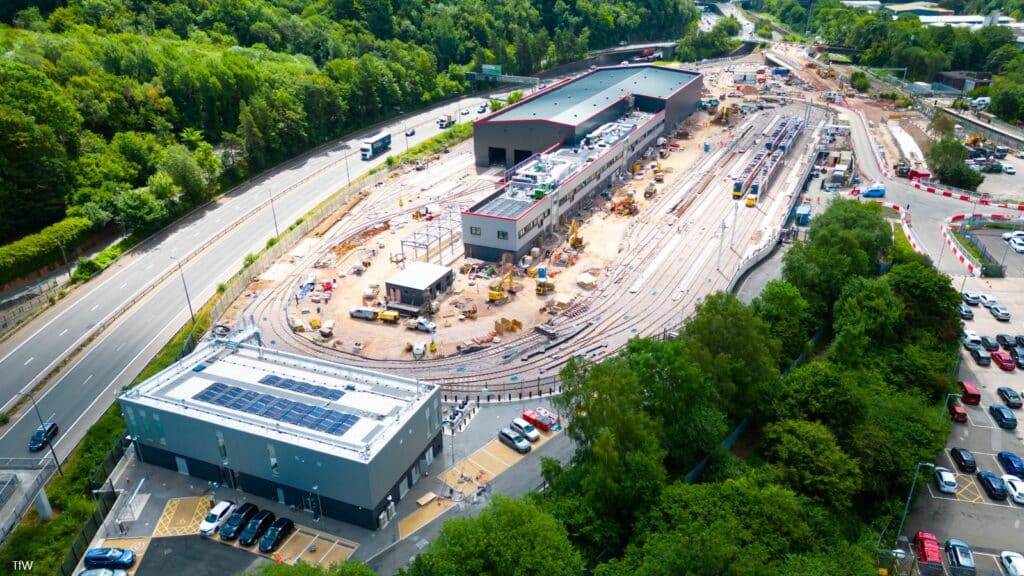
(47, 543)
(969, 246)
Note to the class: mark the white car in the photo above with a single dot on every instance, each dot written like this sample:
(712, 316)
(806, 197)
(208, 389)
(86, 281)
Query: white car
(525, 429)
(1007, 169)
(1015, 487)
(945, 480)
(987, 301)
(1010, 236)
(1018, 245)
(217, 516)
(1013, 563)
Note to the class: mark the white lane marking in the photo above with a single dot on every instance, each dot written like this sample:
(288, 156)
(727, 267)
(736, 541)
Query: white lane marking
(123, 285)
(63, 332)
(29, 360)
(86, 381)
(93, 309)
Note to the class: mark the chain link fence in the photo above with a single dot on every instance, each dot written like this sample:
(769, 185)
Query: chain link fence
(16, 309)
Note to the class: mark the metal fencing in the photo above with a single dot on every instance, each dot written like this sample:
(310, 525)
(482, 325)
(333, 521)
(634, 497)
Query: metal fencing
(236, 285)
(989, 266)
(13, 311)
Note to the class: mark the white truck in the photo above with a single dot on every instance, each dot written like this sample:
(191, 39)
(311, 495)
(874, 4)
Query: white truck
(446, 121)
(421, 324)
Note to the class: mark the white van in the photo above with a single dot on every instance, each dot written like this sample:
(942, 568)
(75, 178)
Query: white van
(363, 313)
(525, 429)
(981, 101)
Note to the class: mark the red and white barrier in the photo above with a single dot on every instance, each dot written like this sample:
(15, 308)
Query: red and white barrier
(973, 268)
(966, 197)
(905, 225)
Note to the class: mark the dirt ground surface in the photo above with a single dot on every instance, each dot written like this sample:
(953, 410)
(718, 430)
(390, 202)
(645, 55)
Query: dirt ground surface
(449, 185)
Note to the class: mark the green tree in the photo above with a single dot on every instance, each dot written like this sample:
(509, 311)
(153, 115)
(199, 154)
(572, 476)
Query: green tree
(734, 348)
(346, 568)
(495, 543)
(942, 124)
(821, 391)
(788, 316)
(183, 169)
(859, 81)
(946, 159)
(810, 461)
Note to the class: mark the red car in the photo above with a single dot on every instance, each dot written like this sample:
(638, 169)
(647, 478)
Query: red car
(1003, 359)
(958, 412)
(541, 418)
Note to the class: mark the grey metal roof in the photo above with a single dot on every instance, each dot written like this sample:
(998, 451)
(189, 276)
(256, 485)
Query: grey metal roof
(505, 207)
(579, 99)
(419, 275)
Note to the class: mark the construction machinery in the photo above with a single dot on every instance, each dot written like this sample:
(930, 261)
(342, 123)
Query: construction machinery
(659, 174)
(500, 290)
(575, 240)
(650, 191)
(625, 206)
(545, 286)
(975, 140)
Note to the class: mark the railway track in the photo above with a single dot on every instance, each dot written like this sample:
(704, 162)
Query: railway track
(666, 268)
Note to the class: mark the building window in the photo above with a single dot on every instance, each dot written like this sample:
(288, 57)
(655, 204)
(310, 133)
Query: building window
(273, 459)
(474, 230)
(502, 235)
(222, 447)
(159, 429)
(132, 427)
(145, 425)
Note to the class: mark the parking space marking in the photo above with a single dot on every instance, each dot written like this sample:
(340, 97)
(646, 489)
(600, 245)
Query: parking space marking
(137, 545)
(970, 492)
(995, 560)
(182, 516)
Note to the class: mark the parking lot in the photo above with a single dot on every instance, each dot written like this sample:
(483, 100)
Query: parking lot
(992, 239)
(990, 526)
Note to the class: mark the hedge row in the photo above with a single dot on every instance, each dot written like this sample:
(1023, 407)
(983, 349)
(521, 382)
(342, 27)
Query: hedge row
(36, 251)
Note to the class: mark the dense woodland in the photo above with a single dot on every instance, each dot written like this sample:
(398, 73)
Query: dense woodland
(129, 112)
(823, 468)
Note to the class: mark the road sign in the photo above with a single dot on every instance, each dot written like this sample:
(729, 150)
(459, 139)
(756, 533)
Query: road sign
(491, 69)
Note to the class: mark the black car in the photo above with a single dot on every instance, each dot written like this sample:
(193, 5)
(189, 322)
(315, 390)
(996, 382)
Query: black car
(989, 343)
(276, 534)
(1020, 339)
(981, 356)
(1003, 416)
(256, 527)
(1006, 341)
(992, 484)
(43, 436)
(1009, 396)
(237, 521)
(964, 459)
(1018, 356)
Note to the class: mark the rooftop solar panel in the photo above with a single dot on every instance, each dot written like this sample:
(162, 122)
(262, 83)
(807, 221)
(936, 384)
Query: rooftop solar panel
(291, 417)
(270, 379)
(287, 384)
(334, 394)
(324, 425)
(309, 421)
(318, 412)
(303, 388)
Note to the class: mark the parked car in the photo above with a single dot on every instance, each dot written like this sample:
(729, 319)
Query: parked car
(1015, 487)
(1020, 339)
(1018, 356)
(945, 480)
(237, 521)
(109, 558)
(216, 518)
(514, 441)
(964, 459)
(1013, 563)
(1007, 169)
(256, 527)
(1001, 313)
(43, 435)
(989, 343)
(1003, 416)
(970, 298)
(959, 557)
(1006, 341)
(103, 572)
(525, 429)
(1018, 245)
(981, 356)
(1009, 396)
(965, 312)
(276, 535)
(992, 484)
(482, 109)
(1003, 359)
(1011, 463)
(970, 339)
(929, 556)
(987, 301)
(1007, 236)
(958, 412)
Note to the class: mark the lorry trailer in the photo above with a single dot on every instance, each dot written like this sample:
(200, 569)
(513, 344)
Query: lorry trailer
(374, 145)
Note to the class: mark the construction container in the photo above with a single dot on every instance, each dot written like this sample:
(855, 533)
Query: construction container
(535, 252)
(542, 272)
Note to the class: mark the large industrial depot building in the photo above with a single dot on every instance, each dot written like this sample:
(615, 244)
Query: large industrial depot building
(564, 144)
(335, 440)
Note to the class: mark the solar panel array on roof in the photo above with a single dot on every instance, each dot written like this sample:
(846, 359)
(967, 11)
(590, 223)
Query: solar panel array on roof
(301, 387)
(280, 409)
(505, 207)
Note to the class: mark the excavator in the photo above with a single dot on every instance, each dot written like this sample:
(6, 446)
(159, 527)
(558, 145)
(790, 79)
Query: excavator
(575, 241)
(545, 286)
(659, 174)
(498, 292)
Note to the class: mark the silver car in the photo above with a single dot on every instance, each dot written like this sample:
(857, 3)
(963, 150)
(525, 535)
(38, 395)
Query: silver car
(514, 440)
(1014, 487)
(1000, 312)
(945, 480)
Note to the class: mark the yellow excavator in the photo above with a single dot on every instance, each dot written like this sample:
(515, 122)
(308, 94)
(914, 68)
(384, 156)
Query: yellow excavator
(545, 286)
(575, 241)
(659, 174)
(498, 292)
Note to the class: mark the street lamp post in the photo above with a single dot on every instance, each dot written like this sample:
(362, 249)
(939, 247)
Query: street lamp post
(405, 130)
(273, 212)
(39, 415)
(188, 300)
(910, 496)
(945, 405)
(64, 255)
(347, 173)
